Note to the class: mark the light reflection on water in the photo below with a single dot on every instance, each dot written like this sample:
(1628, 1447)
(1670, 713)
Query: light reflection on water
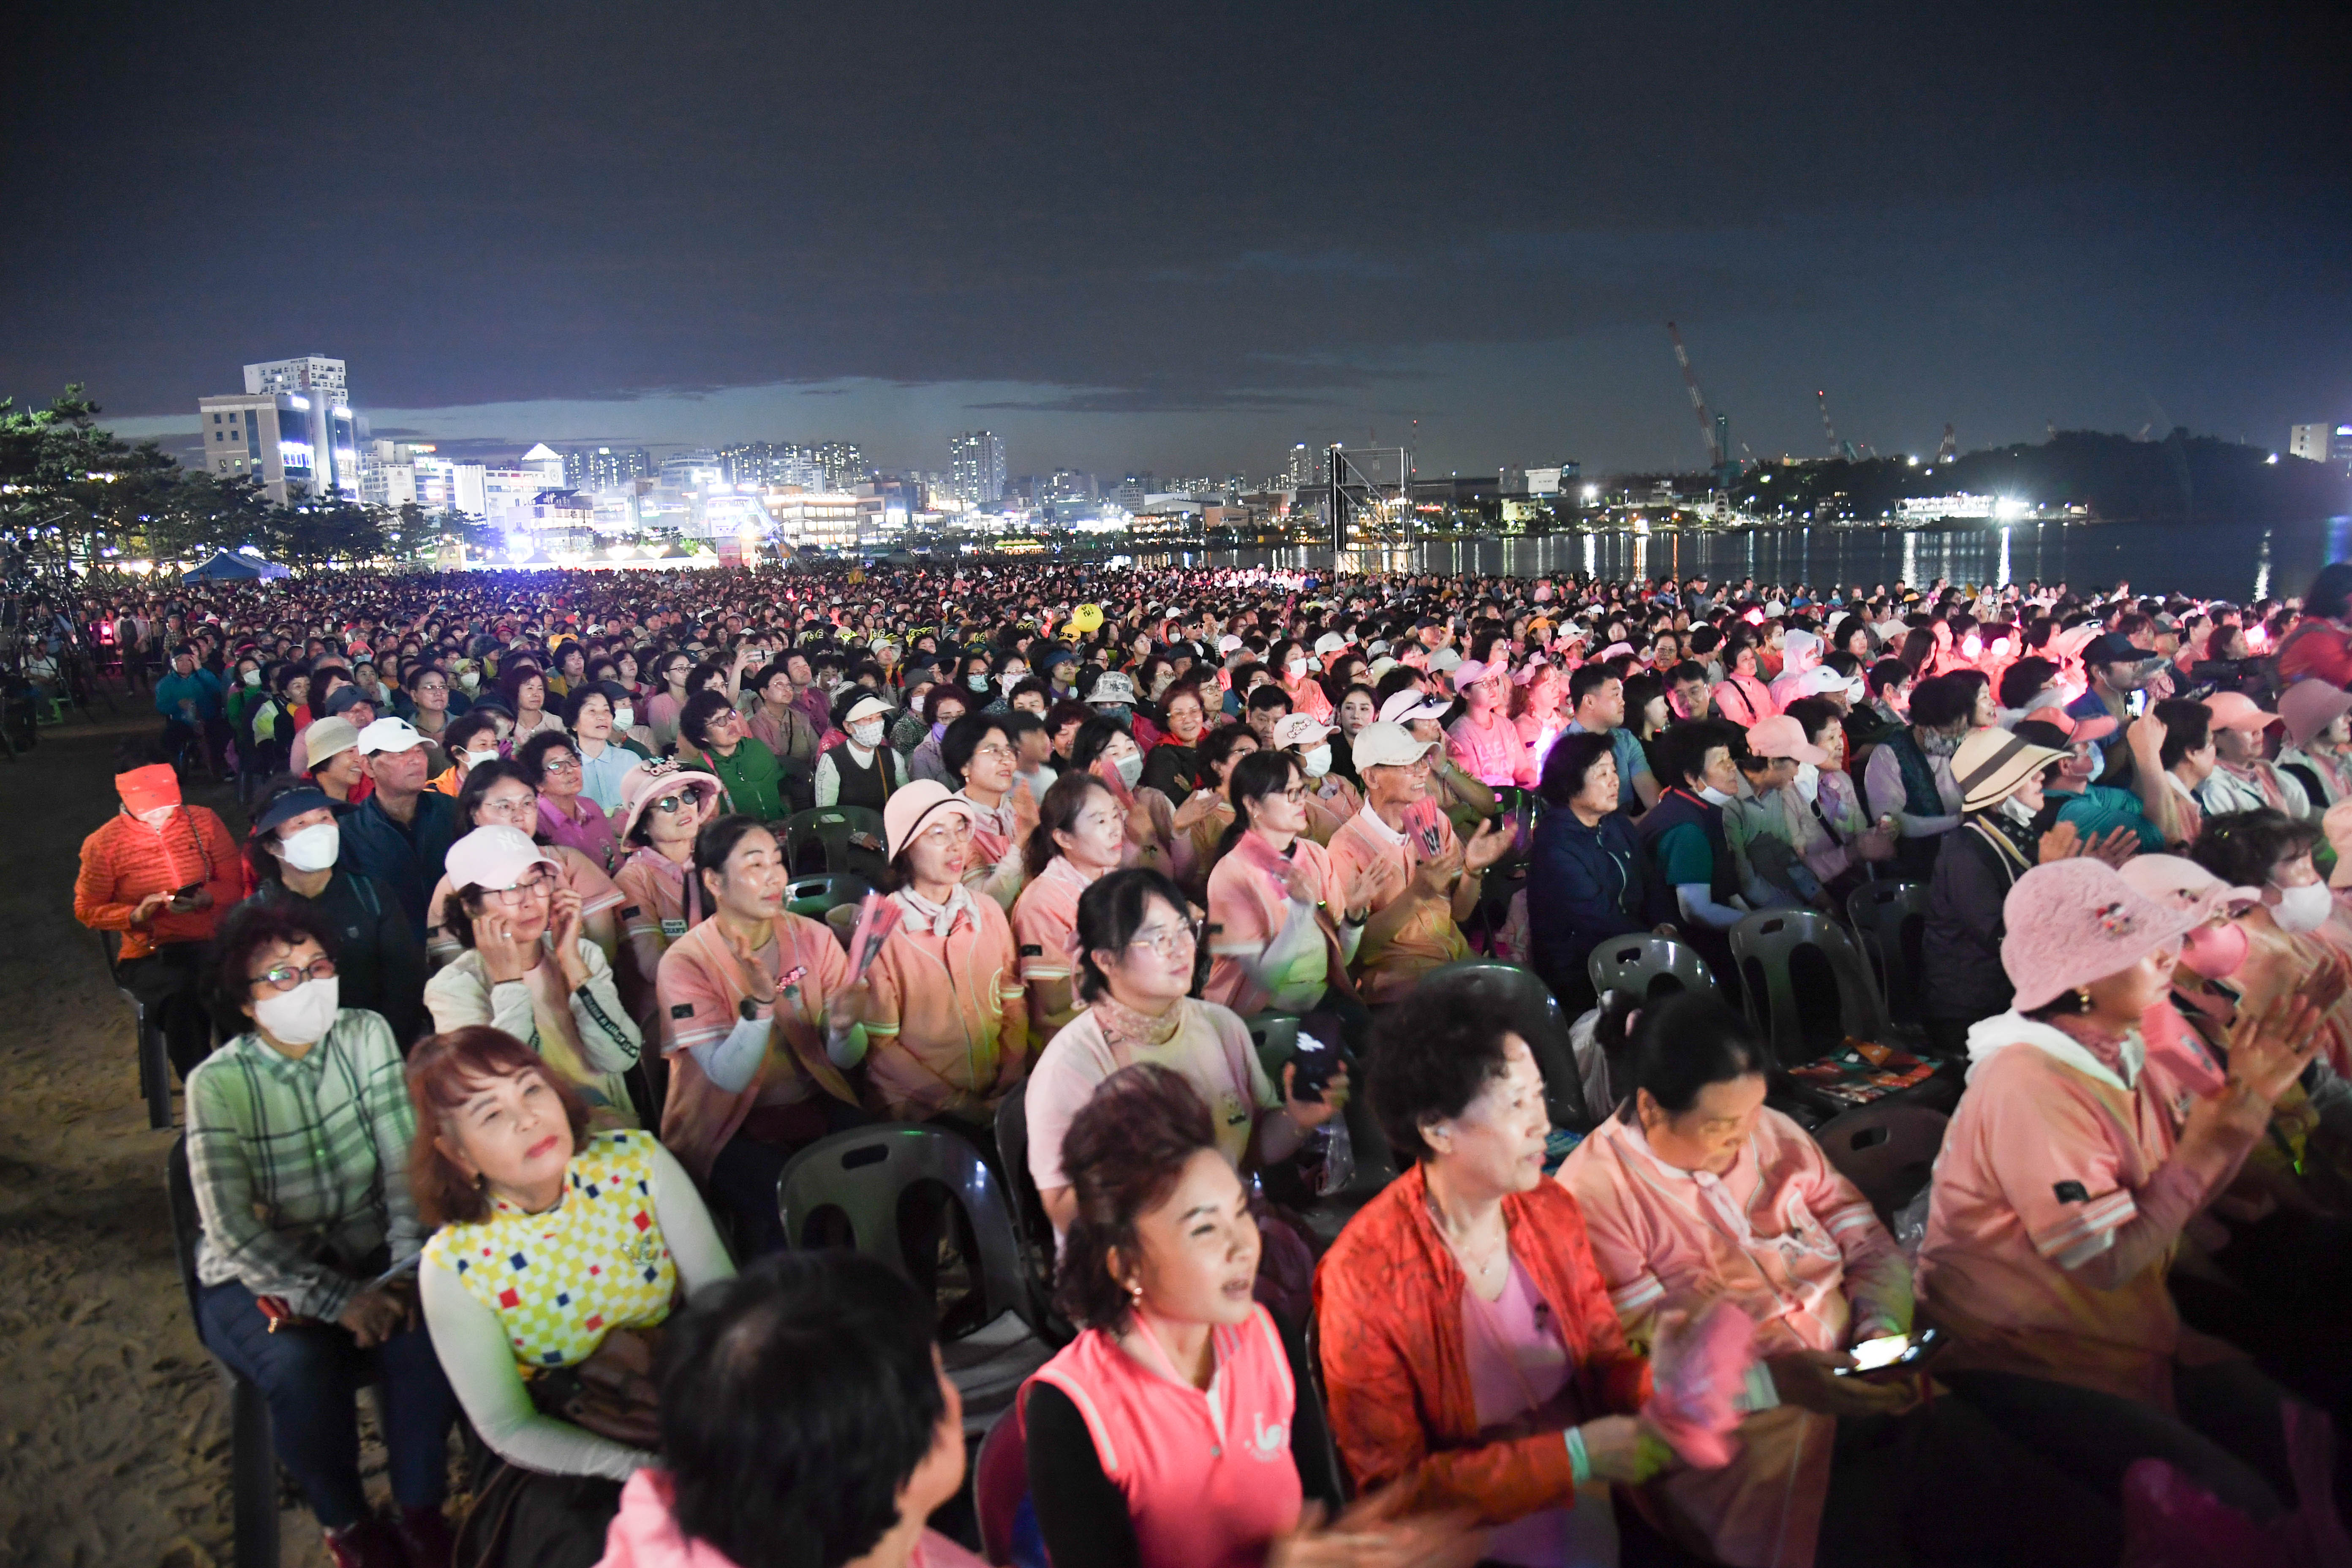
(2234, 561)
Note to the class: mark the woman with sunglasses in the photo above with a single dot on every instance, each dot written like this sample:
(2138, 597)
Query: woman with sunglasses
(299, 1135)
(663, 806)
(668, 701)
(528, 970)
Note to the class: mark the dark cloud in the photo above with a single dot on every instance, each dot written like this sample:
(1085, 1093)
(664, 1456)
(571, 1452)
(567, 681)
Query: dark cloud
(2002, 215)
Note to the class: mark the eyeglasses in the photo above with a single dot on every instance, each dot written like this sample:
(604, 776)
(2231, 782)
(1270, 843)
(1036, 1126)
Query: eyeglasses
(538, 885)
(286, 976)
(560, 765)
(1296, 795)
(994, 749)
(686, 801)
(1168, 941)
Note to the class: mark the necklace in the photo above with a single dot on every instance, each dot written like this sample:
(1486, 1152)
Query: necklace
(1482, 1270)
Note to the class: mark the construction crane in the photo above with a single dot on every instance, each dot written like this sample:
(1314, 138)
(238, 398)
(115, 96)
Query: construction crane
(1951, 446)
(1837, 449)
(1715, 430)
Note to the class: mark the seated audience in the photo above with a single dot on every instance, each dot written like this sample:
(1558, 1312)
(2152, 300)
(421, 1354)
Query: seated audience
(379, 963)
(949, 1019)
(1081, 835)
(162, 874)
(1586, 882)
(1471, 1357)
(1137, 971)
(1909, 779)
(2063, 1189)
(663, 806)
(1284, 924)
(1424, 879)
(1695, 1191)
(1691, 879)
(805, 1419)
(550, 764)
(498, 794)
(1159, 1267)
(557, 1249)
(711, 737)
(760, 1026)
(400, 834)
(527, 969)
(979, 755)
(298, 1135)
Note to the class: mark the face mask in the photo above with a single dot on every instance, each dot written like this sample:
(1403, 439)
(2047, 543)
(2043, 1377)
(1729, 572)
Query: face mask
(623, 718)
(156, 817)
(1712, 796)
(976, 682)
(303, 1016)
(1940, 745)
(867, 734)
(253, 678)
(1809, 781)
(1130, 768)
(2302, 908)
(1297, 668)
(312, 849)
(937, 729)
(475, 759)
(2014, 809)
(470, 680)
(1316, 761)
(2215, 951)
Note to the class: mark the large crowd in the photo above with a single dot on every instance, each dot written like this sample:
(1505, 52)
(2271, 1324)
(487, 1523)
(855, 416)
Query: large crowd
(500, 1023)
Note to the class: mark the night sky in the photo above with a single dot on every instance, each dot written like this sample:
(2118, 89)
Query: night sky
(1181, 238)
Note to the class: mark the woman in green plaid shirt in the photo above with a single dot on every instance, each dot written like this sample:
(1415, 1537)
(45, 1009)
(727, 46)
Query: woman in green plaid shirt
(298, 1134)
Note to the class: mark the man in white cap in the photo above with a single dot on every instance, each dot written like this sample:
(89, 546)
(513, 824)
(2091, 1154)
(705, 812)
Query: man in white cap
(402, 831)
(1430, 880)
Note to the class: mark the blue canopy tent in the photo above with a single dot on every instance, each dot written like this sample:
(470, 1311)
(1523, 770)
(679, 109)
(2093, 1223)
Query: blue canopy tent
(227, 567)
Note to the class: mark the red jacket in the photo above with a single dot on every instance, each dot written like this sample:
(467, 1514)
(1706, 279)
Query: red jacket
(1388, 1307)
(2316, 649)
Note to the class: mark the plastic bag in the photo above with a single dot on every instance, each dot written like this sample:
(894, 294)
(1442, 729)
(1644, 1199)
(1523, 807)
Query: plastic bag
(1911, 1222)
(1335, 1157)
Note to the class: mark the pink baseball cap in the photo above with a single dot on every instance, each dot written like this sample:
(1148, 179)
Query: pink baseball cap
(2233, 711)
(2077, 921)
(1782, 736)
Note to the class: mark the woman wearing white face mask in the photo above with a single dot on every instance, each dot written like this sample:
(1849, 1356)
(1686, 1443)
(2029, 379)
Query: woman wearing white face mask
(1306, 694)
(1331, 800)
(307, 1111)
(292, 853)
(862, 769)
(2295, 925)
(470, 741)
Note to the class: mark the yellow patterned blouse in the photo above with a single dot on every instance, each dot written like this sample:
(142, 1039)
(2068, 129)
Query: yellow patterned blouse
(560, 1281)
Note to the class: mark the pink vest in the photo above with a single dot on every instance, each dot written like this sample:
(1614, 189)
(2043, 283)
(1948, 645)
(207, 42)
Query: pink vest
(1208, 1476)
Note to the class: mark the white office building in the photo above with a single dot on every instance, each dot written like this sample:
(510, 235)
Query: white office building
(290, 445)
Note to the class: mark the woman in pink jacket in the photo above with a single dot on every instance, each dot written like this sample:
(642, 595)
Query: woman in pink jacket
(948, 1021)
(802, 1402)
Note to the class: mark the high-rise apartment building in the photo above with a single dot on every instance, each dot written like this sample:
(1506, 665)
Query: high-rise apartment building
(976, 468)
(605, 468)
(1305, 467)
(404, 473)
(843, 465)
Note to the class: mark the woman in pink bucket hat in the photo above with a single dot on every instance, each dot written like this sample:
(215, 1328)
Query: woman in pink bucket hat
(2062, 1188)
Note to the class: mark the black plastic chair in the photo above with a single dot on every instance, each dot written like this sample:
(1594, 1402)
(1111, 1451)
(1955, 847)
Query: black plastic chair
(1889, 920)
(1647, 966)
(862, 1173)
(147, 1040)
(1535, 1017)
(1766, 946)
(1335, 1472)
(1887, 1148)
(827, 831)
(816, 896)
(253, 1460)
(1032, 1228)
(1275, 1038)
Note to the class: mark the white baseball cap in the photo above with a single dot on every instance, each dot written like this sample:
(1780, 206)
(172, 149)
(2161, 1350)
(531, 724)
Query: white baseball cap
(1386, 745)
(388, 735)
(495, 857)
(1404, 707)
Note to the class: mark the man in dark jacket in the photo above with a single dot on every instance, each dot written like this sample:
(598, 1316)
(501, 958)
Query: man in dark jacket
(400, 833)
(1962, 980)
(1692, 880)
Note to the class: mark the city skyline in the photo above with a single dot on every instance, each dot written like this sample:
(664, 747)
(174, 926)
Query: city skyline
(1149, 243)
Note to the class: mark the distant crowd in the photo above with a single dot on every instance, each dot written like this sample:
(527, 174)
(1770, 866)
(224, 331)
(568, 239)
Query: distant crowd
(1355, 978)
